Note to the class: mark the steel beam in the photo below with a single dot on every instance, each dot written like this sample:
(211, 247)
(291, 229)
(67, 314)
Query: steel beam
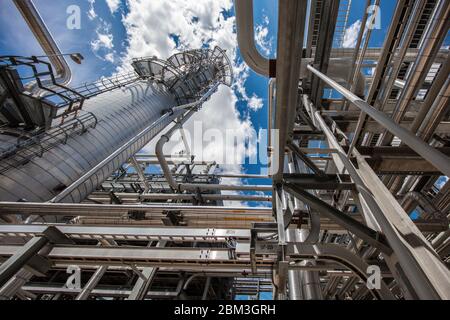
(93, 281)
(20, 257)
(417, 260)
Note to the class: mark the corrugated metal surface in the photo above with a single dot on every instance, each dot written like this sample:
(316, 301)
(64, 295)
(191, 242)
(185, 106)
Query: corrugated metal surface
(121, 114)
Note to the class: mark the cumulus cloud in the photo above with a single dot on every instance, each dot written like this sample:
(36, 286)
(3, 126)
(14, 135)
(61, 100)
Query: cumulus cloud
(113, 5)
(109, 57)
(104, 40)
(351, 35)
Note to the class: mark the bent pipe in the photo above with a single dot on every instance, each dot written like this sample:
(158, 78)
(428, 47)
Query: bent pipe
(246, 39)
(342, 256)
(180, 187)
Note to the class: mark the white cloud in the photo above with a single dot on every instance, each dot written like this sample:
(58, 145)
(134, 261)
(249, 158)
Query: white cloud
(255, 103)
(113, 5)
(262, 39)
(351, 35)
(102, 46)
(91, 12)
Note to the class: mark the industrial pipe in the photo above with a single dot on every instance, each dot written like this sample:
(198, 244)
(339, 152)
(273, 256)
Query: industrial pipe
(438, 110)
(66, 192)
(359, 54)
(192, 186)
(407, 37)
(439, 82)
(45, 39)
(413, 265)
(413, 197)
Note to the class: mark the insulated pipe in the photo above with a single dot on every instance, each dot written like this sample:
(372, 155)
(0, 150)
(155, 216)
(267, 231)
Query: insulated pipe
(358, 56)
(432, 42)
(246, 38)
(272, 88)
(440, 239)
(399, 83)
(74, 209)
(438, 83)
(438, 159)
(425, 286)
(45, 39)
(408, 34)
(294, 276)
(310, 280)
(303, 284)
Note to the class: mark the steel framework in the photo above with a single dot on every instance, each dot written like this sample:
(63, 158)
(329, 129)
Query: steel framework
(358, 179)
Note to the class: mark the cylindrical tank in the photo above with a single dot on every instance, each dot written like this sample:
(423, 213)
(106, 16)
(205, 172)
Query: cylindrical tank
(121, 114)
